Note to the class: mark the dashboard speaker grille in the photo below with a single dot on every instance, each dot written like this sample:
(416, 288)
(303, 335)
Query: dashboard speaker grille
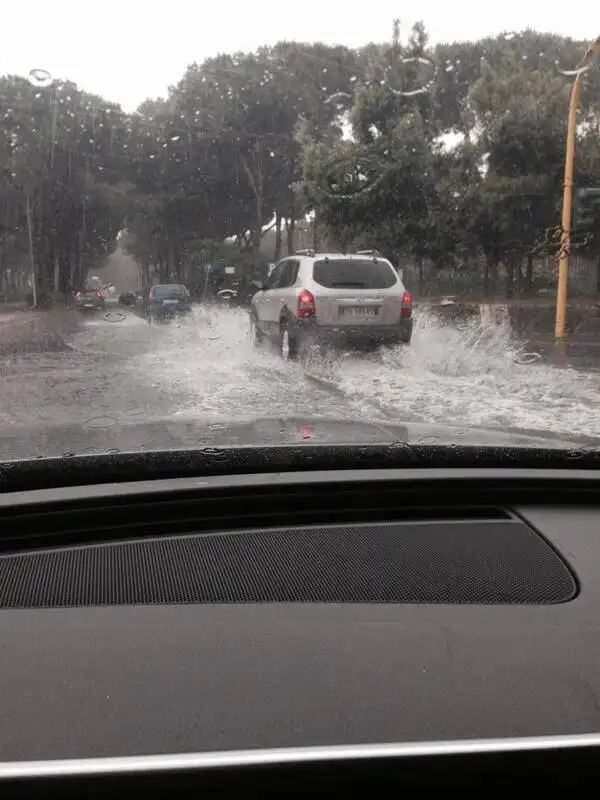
(402, 562)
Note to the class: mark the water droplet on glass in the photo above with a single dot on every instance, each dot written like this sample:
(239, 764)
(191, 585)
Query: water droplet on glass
(40, 77)
(573, 72)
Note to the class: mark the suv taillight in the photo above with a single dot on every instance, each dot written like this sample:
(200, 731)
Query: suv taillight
(406, 310)
(306, 304)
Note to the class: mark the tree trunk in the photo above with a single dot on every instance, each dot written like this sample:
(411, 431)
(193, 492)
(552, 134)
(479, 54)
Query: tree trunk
(256, 183)
(277, 253)
(31, 255)
(291, 235)
(486, 278)
(510, 277)
(529, 279)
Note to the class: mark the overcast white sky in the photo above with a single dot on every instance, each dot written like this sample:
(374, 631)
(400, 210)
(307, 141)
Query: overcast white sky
(130, 50)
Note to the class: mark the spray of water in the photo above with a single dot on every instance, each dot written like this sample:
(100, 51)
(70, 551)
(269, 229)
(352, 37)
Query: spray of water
(473, 374)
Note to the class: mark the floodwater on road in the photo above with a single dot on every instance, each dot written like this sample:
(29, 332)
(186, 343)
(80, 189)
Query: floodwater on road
(119, 370)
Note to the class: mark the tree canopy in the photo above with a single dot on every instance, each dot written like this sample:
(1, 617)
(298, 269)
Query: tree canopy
(441, 152)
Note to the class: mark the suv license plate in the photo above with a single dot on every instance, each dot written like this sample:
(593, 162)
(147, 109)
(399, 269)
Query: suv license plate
(368, 313)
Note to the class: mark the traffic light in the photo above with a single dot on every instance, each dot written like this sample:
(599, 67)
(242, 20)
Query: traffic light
(586, 210)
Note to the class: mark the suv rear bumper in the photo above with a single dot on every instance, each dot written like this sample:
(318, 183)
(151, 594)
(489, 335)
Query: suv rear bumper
(168, 310)
(373, 334)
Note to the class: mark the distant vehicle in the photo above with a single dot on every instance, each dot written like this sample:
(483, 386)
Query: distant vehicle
(90, 300)
(128, 299)
(167, 300)
(334, 298)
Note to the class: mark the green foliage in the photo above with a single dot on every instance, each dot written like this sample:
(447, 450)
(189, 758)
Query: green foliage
(586, 210)
(438, 152)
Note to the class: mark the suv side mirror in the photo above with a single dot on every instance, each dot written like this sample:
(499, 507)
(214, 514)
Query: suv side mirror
(260, 285)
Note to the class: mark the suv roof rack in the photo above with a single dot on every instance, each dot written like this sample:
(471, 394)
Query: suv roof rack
(308, 252)
(374, 253)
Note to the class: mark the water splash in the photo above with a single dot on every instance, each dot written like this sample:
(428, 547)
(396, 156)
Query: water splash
(475, 373)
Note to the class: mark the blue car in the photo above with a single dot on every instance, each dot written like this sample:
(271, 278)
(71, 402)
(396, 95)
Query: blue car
(166, 301)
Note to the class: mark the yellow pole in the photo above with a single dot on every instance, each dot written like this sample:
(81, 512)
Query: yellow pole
(565, 240)
(591, 54)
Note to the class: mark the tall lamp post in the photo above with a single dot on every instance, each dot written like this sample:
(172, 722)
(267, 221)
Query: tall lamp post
(592, 54)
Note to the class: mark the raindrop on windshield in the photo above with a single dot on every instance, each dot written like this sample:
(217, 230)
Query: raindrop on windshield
(40, 77)
(577, 71)
(423, 89)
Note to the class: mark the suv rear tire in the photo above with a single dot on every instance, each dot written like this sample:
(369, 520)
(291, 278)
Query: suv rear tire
(288, 345)
(258, 334)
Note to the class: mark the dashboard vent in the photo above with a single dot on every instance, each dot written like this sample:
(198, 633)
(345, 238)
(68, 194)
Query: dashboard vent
(443, 561)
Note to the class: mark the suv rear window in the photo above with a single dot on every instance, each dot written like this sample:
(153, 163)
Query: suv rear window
(354, 273)
(172, 290)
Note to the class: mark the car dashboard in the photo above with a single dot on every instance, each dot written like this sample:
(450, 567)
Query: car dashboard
(190, 621)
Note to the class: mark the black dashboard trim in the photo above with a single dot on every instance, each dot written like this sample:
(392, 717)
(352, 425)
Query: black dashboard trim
(43, 473)
(142, 483)
(139, 509)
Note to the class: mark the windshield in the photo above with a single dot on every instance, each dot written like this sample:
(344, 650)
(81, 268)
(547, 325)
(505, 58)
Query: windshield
(337, 225)
(337, 273)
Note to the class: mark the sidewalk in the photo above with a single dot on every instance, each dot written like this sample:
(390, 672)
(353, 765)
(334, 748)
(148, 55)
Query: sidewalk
(35, 331)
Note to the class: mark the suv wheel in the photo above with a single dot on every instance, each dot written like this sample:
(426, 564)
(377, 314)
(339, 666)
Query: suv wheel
(258, 335)
(288, 346)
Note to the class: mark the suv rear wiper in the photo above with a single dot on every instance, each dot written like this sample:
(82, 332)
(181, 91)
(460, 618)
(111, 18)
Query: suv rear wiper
(349, 285)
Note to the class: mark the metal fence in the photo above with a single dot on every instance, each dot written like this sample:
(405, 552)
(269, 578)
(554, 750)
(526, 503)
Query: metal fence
(469, 279)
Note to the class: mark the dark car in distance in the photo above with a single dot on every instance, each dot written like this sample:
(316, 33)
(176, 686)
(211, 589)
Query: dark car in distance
(166, 301)
(89, 299)
(128, 299)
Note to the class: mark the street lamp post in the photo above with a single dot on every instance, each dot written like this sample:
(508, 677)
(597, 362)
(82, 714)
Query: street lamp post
(593, 52)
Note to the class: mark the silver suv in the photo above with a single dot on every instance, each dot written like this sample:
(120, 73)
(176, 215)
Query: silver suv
(332, 298)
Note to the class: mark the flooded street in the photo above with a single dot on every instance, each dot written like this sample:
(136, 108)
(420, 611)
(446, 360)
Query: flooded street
(118, 371)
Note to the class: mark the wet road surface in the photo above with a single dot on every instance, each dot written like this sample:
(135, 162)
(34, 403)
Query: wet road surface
(119, 371)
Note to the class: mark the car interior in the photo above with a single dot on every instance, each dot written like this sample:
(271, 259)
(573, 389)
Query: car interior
(315, 618)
